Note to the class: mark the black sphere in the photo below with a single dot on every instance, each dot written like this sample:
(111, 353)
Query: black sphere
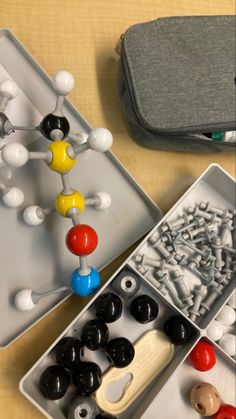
(68, 351)
(108, 307)
(87, 377)
(120, 352)
(144, 309)
(95, 334)
(51, 122)
(104, 416)
(178, 329)
(54, 382)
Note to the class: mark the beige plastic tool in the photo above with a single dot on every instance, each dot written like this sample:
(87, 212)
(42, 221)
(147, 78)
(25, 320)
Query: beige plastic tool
(153, 352)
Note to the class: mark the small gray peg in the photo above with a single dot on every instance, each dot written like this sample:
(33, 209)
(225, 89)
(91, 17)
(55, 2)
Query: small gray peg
(199, 293)
(211, 298)
(181, 286)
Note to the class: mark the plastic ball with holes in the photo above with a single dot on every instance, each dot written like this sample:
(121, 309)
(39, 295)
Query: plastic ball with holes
(95, 334)
(215, 331)
(15, 154)
(85, 285)
(108, 307)
(54, 382)
(8, 88)
(227, 343)
(120, 352)
(12, 197)
(63, 82)
(31, 215)
(226, 411)
(87, 377)
(144, 309)
(226, 315)
(178, 329)
(68, 351)
(81, 240)
(202, 357)
(100, 139)
(205, 399)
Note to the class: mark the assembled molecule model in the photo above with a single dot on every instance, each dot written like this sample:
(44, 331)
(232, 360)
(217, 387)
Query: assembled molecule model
(60, 156)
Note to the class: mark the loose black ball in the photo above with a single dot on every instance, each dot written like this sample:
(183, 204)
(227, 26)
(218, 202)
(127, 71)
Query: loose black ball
(120, 352)
(51, 122)
(54, 382)
(87, 377)
(144, 309)
(95, 334)
(68, 351)
(178, 329)
(108, 307)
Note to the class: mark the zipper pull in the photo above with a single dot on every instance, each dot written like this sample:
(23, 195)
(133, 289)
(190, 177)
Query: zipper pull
(119, 44)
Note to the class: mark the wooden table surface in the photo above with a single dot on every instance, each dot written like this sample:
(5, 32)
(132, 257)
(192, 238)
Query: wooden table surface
(80, 35)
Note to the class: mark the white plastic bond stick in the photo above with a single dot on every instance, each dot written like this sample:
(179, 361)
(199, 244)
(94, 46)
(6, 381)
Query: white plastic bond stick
(84, 267)
(100, 200)
(67, 189)
(8, 126)
(40, 155)
(80, 148)
(27, 299)
(59, 104)
(2, 186)
(78, 139)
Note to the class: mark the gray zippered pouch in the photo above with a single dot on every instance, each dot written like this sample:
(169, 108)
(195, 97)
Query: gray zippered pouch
(176, 83)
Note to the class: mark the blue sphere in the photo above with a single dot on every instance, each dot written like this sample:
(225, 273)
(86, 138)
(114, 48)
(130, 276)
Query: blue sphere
(84, 285)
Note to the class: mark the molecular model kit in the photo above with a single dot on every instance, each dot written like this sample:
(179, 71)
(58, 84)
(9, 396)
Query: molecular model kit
(60, 156)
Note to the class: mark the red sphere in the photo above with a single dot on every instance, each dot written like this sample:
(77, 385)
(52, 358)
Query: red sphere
(202, 356)
(81, 240)
(226, 411)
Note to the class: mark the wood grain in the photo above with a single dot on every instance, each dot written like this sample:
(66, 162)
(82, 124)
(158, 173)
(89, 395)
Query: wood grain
(80, 36)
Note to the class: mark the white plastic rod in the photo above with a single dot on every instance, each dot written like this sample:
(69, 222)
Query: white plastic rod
(99, 200)
(26, 299)
(84, 267)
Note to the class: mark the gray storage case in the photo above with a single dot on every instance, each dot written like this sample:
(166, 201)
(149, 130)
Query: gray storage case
(177, 82)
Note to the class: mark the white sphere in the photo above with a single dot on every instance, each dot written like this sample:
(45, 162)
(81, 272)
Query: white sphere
(227, 343)
(100, 139)
(23, 300)
(30, 215)
(15, 154)
(104, 200)
(13, 197)
(215, 331)
(63, 82)
(9, 89)
(226, 315)
(232, 300)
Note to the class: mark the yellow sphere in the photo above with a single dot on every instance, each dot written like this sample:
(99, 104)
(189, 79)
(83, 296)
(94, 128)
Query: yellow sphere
(65, 202)
(61, 161)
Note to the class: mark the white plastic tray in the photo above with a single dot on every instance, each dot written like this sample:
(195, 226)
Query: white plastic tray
(178, 377)
(217, 187)
(36, 257)
(127, 327)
